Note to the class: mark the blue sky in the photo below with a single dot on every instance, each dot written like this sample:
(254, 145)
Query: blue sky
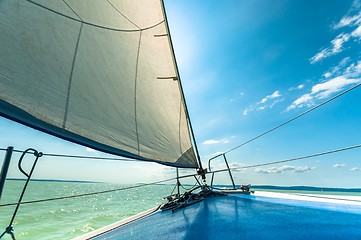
(247, 66)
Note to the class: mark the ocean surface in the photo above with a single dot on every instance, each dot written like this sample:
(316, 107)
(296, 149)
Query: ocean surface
(69, 218)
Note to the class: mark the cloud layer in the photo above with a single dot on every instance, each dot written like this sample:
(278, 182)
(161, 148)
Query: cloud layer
(339, 165)
(355, 169)
(338, 79)
(352, 23)
(284, 169)
(267, 102)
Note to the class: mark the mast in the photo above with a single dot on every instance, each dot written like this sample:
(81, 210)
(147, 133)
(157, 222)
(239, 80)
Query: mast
(5, 168)
(181, 87)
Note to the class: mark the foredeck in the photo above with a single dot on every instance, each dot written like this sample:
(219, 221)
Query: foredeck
(249, 217)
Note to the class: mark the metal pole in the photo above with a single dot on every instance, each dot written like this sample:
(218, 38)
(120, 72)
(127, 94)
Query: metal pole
(178, 183)
(5, 168)
(229, 171)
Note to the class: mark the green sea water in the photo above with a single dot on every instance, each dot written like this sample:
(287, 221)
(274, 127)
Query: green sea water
(69, 218)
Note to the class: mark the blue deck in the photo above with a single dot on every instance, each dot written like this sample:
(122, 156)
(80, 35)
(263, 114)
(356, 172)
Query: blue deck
(233, 217)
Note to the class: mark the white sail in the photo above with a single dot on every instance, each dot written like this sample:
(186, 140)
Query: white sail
(96, 72)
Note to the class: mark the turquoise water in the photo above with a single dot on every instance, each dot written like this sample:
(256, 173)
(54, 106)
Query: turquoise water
(69, 218)
(65, 219)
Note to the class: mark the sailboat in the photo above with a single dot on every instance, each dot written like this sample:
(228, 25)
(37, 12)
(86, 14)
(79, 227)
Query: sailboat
(103, 74)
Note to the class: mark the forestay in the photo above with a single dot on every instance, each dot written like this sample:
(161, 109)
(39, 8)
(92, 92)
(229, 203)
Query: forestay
(99, 73)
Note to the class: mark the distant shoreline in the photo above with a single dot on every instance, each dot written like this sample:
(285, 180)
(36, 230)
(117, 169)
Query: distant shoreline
(51, 180)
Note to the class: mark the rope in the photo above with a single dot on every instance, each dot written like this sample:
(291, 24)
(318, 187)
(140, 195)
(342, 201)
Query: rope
(188, 189)
(290, 120)
(292, 159)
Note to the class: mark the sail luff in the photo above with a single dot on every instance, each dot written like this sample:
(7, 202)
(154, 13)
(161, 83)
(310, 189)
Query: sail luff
(181, 89)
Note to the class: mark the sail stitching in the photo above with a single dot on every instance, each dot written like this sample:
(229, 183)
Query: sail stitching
(71, 77)
(93, 24)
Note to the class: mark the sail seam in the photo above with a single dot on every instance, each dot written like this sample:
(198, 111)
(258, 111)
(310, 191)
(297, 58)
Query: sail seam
(71, 78)
(123, 15)
(135, 92)
(93, 24)
(73, 10)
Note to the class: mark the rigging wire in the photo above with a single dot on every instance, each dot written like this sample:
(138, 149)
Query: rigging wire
(186, 176)
(290, 120)
(175, 186)
(292, 159)
(78, 156)
(88, 194)
(89, 157)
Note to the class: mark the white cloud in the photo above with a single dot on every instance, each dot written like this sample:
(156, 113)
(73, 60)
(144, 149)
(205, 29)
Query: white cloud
(355, 169)
(339, 165)
(276, 102)
(276, 94)
(336, 47)
(337, 70)
(284, 169)
(348, 21)
(327, 74)
(323, 90)
(301, 86)
(238, 166)
(219, 164)
(357, 32)
(212, 141)
(338, 42)
(354, 69)
(304, 100)
(263, 104)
